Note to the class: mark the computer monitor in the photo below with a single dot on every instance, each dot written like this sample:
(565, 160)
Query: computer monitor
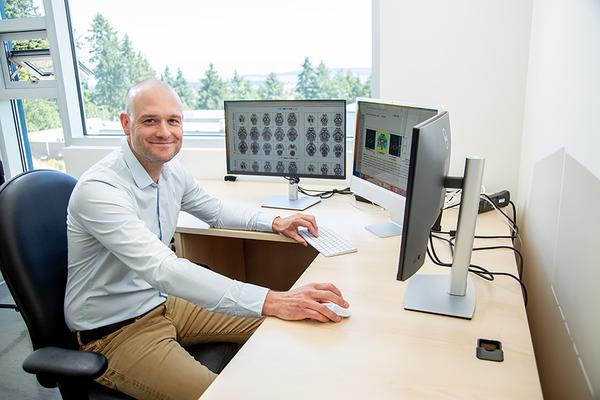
(428, 179)
(286, 138)
(381, 156)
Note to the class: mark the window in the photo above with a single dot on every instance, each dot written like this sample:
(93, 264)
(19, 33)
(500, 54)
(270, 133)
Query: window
(33, 54)
(214, 51)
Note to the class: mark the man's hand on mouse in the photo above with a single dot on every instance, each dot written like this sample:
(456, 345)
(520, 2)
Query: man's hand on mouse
(288, 226)
(305, 303)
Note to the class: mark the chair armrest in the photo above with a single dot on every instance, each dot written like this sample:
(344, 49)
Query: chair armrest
(59, 365)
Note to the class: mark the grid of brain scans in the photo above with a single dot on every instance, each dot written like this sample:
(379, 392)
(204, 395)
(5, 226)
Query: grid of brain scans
(303, 138)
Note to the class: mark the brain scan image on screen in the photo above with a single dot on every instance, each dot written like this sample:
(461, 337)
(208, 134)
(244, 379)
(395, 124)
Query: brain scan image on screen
(242, 134)
(338, 150)
(279, 134)
(338, 135)
(292, 148)
(292, 119)
(279, 167)
(279, 148)
(337, 169)
(292, 134)
(286, 137)
(292, 168)
(311, 134)
(337, 120)
(266, 119)
(267, 147)
(324, 119)
(267, 134)
(279, 119)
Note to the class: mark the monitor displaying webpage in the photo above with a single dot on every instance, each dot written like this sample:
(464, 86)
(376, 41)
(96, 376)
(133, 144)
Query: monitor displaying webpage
(383, 141)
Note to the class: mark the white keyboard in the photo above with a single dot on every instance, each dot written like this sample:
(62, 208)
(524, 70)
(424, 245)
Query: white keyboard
(328, 242)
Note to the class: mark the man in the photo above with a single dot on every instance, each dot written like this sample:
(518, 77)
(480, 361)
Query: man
(121, 218)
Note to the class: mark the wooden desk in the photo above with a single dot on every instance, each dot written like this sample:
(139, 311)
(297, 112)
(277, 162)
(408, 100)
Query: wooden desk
(382, 351)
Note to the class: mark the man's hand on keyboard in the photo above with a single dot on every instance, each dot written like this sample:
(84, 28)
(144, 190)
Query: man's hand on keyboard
(305, 303)
(288, 226)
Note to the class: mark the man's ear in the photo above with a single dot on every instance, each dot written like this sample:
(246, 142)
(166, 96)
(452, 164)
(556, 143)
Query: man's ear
(124, 118)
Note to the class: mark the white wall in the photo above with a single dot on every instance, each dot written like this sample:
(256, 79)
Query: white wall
(560, 187)
(470, 57)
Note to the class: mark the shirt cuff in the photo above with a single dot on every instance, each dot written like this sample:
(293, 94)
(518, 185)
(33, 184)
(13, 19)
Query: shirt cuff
(264, 221)
(252, 298)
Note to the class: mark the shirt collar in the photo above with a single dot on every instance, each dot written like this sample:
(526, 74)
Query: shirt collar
(140, 176)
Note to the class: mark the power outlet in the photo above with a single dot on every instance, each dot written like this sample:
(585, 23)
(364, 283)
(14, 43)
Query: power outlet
(500, 199)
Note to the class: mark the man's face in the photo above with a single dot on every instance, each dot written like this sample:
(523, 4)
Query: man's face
(154, 129)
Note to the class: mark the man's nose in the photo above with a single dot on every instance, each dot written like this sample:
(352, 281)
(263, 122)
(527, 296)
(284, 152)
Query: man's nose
(163, 129)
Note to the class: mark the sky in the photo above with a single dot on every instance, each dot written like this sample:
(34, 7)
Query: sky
(252, 37)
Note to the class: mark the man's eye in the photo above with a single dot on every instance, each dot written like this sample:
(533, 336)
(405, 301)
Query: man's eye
(149, 121)
(174, 122)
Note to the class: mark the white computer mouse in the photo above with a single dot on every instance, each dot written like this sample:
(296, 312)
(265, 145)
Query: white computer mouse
(342, 312)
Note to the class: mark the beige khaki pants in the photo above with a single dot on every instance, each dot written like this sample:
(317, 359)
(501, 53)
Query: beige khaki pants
(147, 359)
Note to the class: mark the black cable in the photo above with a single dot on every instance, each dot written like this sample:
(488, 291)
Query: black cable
(515, 231)
(476, 269)
(514, 210)
(517, 252)
(324, 194)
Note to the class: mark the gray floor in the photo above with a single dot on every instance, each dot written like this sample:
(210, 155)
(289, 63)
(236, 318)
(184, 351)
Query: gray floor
(14, 347)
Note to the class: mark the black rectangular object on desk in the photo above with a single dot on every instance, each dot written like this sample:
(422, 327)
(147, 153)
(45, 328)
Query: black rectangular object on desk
(500, 199)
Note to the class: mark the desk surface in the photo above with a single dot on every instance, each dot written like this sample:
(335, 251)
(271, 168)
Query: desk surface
(382, 351)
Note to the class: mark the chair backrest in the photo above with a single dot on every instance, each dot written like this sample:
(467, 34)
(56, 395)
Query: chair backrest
(33, 251)
(1, 173)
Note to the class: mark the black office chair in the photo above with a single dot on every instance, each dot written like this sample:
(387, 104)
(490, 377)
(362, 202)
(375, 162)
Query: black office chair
(33, 260)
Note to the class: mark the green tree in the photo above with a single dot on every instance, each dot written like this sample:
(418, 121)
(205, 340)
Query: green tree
(41, 114)
(186, 94)
(20, 8)
(240, 88)
(135, 66)
(106, 56)
(271, 88)
(324, 82)
(307, 86)
(166, 76)
(212, 90)
(117, 66)
(348, 86)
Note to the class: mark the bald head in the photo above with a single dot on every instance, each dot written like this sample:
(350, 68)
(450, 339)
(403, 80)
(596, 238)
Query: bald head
(142, 87)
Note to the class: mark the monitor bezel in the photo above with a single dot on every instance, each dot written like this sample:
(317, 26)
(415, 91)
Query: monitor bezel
(286, 175)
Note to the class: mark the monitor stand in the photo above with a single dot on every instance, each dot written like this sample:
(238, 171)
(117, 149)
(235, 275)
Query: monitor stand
(388, 229)
(292, 201)
(454, 294)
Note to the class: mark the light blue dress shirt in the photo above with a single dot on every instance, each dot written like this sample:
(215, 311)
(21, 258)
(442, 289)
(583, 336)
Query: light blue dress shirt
(120, 224)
